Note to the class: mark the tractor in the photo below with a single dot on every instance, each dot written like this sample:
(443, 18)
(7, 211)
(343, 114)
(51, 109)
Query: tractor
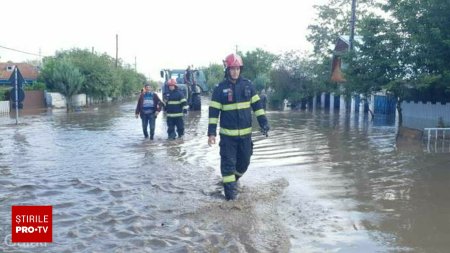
(191, 89)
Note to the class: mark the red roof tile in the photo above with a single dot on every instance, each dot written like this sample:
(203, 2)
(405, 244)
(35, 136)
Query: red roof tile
(28, 71)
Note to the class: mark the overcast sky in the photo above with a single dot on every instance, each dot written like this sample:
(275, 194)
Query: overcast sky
(157, 33)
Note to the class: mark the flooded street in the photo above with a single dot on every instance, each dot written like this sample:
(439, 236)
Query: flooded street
(321, 182)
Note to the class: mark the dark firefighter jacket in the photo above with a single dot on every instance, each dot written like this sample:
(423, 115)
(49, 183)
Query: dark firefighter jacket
(235, 115)
(175, 103)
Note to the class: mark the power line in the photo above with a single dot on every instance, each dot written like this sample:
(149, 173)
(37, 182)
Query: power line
(20, 51)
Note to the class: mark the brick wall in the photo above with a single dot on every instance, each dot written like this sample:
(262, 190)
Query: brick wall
(34, 99)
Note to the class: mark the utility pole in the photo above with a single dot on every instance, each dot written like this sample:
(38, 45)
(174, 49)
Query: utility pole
(16, 88)
(352, 25)
(40, 58)
(117, 49)
(135, 64)
(236, 49)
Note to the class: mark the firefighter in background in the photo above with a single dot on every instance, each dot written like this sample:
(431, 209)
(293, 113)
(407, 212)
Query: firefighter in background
(176, 107)
(188, 76)
(232, 102)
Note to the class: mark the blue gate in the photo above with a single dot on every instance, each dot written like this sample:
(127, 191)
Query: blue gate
(384, 104)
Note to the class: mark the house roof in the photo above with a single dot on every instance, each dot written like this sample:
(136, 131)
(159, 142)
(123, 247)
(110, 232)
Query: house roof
(28, 71)
(341, 47)
(343, 42)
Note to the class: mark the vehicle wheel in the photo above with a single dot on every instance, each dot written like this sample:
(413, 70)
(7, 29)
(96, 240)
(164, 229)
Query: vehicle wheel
(196, 102)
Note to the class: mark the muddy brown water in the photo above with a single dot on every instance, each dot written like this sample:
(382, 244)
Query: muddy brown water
(321, 182)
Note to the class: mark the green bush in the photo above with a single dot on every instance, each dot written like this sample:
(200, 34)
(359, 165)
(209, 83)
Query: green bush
(4, 93)
(35, 86)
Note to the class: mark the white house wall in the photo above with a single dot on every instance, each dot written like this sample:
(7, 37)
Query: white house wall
(422, 115)
(59, 101)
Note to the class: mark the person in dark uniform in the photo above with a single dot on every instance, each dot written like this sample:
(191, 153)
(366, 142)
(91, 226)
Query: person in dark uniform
(188, 76)
(232, 103)
(147, 108)
(176, 107)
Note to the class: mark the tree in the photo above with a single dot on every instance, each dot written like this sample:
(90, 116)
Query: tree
(101, 78)
(292, 79)
(261, 82)
(333, 21)
(257, 63)
(426, 25)
(67, 79)
(214, 74)
(377, 60)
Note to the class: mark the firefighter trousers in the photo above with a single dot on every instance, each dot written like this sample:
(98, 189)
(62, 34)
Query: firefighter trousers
(171, 123)
(235, 153)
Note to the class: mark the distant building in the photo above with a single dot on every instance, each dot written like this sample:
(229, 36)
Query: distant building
(28, 71)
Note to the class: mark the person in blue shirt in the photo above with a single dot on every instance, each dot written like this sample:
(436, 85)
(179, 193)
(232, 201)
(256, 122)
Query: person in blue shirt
(147, 108)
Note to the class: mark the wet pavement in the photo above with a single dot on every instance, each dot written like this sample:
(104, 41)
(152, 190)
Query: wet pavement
(321, 182)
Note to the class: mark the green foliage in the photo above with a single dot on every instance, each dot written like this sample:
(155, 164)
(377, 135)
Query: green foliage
(257, 63)
(36, 86)
(377, 60)
(98, 70)
(406, 53)
(257, 67)
(67, 79)
(4, 93)
(129, 82)
(261, 82)
(332, 21)
(426, 26)
(214, 74)
(101, 76)
(292, 78)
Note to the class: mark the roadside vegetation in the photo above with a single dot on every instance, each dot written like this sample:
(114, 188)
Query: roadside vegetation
(80, 71)
(404, 49)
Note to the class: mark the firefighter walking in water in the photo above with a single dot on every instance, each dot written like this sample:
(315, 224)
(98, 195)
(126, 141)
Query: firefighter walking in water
(232, 102)
(176, 107)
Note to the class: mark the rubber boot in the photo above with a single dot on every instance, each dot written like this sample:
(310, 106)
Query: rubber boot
(230, 190)
(172, 136)
(238, 184)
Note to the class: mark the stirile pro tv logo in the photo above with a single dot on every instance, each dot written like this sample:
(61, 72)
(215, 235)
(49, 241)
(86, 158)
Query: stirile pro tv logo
(31, 223)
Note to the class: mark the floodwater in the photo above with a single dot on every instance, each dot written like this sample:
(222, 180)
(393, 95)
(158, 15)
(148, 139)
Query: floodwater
(321, 182)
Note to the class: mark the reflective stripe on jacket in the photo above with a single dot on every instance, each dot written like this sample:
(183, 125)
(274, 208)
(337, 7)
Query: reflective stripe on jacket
(233, 104)
(175, 103)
